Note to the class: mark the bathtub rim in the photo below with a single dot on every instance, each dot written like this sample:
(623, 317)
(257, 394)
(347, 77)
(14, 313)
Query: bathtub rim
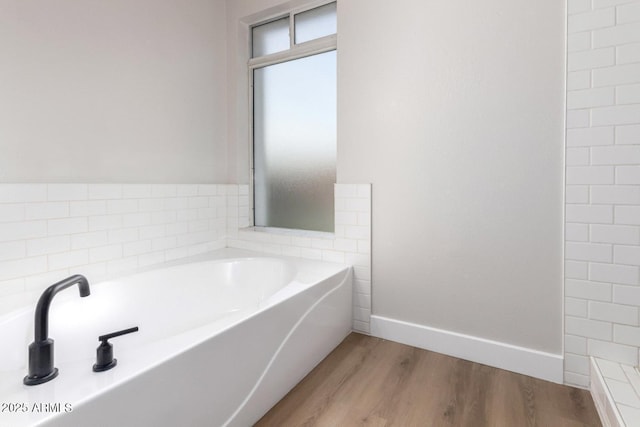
(27, 300)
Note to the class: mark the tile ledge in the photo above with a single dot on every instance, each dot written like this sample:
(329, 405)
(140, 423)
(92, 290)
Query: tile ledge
(608, 408)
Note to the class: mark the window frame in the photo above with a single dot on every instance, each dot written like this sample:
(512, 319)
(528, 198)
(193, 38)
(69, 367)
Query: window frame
(295, 51)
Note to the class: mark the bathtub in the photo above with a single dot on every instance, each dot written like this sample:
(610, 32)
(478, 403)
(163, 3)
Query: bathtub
(220, 341)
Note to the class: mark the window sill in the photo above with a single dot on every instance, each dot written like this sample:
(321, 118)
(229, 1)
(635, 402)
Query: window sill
(290, 232)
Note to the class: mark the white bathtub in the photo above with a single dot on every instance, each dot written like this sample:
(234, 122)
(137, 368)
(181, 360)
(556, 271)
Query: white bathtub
(220, 342)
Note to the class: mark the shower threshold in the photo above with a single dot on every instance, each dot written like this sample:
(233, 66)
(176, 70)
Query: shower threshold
(615, 389)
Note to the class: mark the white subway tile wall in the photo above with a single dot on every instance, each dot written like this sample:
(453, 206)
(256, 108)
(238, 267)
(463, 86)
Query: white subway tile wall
(349, 244)
(50, 231)
(602, 235)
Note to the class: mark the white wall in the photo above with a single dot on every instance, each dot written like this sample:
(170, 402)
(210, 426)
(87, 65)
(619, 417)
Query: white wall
(454, 112)
(602, 252)
(112, 91)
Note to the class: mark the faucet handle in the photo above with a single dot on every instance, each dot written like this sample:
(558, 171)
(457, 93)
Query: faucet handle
(117, 334)
(104, 352)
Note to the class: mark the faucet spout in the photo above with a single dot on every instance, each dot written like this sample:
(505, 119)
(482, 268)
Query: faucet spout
(41, 367)
(42, 308)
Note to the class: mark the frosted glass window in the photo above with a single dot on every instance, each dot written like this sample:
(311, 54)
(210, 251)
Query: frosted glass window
(315, 23)
(270, 38)
(295, 143)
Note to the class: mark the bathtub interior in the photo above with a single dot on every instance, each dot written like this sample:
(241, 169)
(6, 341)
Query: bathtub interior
(157, 306)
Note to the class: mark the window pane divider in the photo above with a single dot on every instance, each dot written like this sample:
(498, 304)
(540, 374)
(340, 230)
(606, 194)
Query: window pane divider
(324, 44)
(292, 31)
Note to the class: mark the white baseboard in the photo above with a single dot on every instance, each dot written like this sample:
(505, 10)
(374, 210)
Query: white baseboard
(522, 360)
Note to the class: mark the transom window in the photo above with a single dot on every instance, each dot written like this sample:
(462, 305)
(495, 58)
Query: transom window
(293, 76)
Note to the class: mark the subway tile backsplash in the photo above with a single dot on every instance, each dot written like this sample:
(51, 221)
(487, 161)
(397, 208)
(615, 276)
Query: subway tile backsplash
(50, 231)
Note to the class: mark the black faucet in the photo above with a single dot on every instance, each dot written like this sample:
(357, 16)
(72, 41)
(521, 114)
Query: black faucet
(41, 367)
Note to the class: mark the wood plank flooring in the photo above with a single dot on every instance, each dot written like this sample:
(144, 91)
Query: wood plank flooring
(368, 381)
